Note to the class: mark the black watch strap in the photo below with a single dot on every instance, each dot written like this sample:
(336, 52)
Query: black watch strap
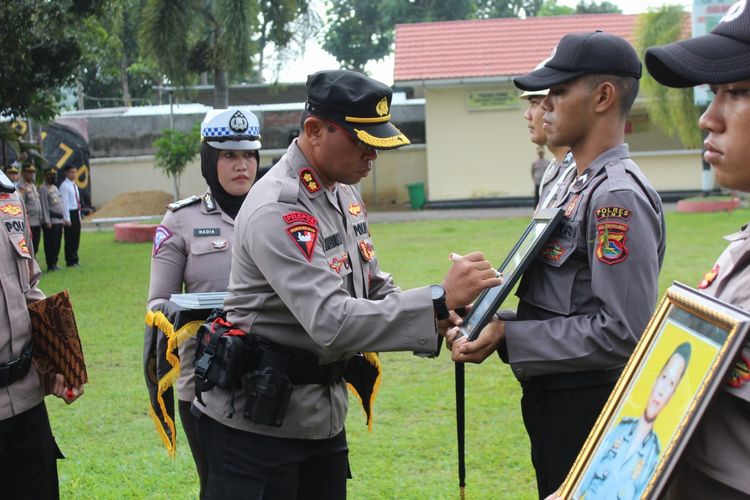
(438, 302)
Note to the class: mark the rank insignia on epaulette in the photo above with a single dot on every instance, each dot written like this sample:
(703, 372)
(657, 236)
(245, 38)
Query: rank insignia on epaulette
(176, 205)
(208, 202)
(581, 181)
(709, 277)
(309, 180)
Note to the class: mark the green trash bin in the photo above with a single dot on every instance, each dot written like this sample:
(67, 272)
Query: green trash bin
(416, 195)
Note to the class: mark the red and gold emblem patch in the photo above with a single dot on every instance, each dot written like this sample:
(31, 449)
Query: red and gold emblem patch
(337, 263)
(303, 231)
(355, 208)
(552, 250)
(709, 277)
(366, 250)
(740, 373)
(309, 180)
(610, 246)
(11, 209)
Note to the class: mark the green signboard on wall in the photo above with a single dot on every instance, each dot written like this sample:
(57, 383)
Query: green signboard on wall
(482, 100)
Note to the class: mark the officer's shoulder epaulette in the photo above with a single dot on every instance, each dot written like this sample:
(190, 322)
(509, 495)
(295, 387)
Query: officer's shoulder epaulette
(176, 205)
(289, 190)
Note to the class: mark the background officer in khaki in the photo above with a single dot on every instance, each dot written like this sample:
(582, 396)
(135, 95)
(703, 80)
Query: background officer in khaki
(306, 281)
(53, 218)
(586, 299)
(193, 244)
(28, 452)
(28, 191)
(716, 461)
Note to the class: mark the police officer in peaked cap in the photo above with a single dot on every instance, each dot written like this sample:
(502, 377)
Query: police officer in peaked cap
(306, 284)
(586, 299)
(716, 461)
(193, 244)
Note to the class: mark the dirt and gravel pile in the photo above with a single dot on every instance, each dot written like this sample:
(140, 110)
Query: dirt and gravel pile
(133, 204)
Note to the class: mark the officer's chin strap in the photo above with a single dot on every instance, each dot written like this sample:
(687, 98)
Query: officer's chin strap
(6, 186)
(460, 420)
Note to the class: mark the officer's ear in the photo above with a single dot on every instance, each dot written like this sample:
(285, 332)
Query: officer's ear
(605, 95)
(313, 127)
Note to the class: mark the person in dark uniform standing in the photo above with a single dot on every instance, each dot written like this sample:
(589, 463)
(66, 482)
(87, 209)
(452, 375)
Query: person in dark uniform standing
(28, 190)
(307, 286)
(193, 243)
(586, 299)
(28, 452)
(716, 461)
(52, 218)
(72, 215)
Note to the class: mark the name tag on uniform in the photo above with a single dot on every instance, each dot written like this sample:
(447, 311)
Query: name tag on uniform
(206, 231)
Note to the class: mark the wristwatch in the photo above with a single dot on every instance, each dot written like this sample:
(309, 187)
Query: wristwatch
(438, 302)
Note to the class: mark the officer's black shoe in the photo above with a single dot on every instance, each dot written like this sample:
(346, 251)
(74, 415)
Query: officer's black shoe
(53, 268)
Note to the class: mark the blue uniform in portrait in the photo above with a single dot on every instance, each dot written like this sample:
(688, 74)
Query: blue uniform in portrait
(619, 469)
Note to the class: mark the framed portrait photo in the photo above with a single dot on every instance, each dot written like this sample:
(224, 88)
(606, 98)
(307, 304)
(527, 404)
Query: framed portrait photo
(542, 224)
(680, 362)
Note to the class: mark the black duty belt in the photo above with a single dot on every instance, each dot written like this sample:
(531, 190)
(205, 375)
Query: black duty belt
(576, 380)
(16, 369)
(299, 365)
(55, 215)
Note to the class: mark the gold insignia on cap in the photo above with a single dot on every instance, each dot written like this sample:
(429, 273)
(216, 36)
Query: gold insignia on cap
(382, 142)
(382, 107)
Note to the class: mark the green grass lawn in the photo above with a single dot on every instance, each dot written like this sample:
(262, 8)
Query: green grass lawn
(113, 450)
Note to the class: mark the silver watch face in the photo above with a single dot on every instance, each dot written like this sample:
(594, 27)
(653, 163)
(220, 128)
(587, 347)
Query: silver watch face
(438, 292)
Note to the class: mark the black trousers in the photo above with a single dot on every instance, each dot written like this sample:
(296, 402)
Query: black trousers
(72, 238)
(28, 456)
(199, 456)
(558, 422)
(36, 236)
(52, 241)
(244, 465)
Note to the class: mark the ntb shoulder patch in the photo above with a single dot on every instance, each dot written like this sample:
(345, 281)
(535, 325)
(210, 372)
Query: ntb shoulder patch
(174, 206)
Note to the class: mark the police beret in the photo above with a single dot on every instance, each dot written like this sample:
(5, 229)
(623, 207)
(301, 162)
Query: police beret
(578, 54)
(359, 104)
(722, 56)
(232, 128)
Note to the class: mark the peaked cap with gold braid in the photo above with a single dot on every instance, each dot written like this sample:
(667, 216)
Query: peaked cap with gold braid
(357, 103)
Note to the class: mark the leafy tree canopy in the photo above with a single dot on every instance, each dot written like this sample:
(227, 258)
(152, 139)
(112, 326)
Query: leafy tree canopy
(40, 53)
(672, 110)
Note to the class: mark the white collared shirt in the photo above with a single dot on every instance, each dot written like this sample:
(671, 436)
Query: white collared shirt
(70, 197)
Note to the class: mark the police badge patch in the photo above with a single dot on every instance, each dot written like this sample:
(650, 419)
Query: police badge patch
(610, 242)
(161, 235)
(238, 122)
(304, 237)
(366, 250)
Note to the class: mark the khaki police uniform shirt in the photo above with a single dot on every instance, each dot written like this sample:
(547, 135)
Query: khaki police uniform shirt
(19, 275)
(305, 274)
(32, 201)
(720, 446)
(588, 296)
(53, 209)
(192, 250)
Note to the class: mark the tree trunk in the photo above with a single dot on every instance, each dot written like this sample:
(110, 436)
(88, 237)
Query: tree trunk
(79, 89)
(221, 89)
(125, 87)
(175, 188)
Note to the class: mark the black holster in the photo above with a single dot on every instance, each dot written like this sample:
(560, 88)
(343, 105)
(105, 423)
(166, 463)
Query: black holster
(267, 395)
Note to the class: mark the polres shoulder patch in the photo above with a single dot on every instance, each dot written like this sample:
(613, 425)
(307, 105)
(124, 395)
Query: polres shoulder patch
(610, 242)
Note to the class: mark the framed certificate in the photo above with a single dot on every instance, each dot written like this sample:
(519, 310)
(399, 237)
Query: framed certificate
(525, 250)
(682, 359)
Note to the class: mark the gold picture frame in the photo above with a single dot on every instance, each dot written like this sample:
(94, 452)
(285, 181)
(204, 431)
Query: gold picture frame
(680, 362)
